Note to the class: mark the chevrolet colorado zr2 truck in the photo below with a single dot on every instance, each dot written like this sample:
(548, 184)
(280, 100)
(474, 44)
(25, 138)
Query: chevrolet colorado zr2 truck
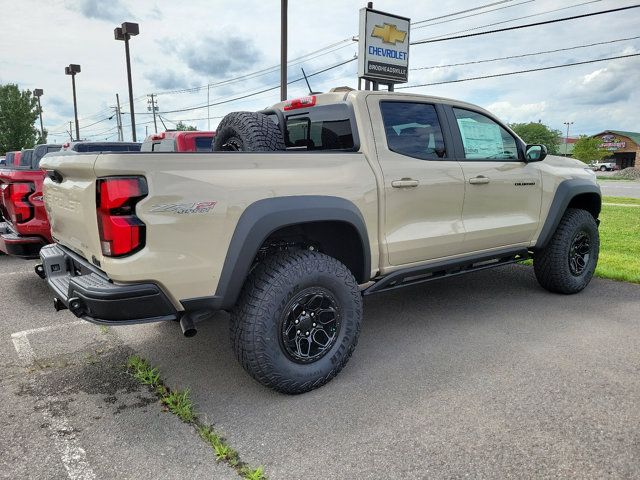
(301, 210)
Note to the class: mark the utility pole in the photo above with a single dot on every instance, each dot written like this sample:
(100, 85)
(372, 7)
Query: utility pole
(152, 105)
(566, 140)
(208, 109)
(283, 50)
(119, 119)
(70, 130)
(38, 92)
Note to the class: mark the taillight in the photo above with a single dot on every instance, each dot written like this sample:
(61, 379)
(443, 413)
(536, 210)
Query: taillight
(121, 232)
(302, 102)
(18, 206)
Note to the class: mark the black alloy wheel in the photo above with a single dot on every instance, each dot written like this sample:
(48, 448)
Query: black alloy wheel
(579, 253)
(310, 325)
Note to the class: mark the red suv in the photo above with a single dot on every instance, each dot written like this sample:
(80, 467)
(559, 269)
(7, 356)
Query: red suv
(26, 228)
(179, 141)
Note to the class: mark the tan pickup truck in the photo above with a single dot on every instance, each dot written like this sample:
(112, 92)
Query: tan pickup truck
(301, 210)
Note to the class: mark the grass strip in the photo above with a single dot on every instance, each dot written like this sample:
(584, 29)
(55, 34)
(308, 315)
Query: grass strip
(624, 200)
(180, 404)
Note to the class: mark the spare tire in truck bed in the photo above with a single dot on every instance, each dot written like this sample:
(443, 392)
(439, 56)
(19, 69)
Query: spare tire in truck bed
(248, 132)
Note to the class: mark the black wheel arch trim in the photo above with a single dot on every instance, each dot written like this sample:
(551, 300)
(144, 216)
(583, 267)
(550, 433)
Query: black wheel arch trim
(259, 221)
(566, 191)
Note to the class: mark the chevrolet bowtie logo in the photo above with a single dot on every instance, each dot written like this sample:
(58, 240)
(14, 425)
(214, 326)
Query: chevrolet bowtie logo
(389, 33)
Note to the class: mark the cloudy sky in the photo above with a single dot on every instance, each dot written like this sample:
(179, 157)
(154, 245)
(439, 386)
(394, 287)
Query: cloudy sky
(234, 45)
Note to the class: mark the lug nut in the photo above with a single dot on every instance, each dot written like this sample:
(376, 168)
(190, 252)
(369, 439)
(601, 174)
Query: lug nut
(297, 331)
(297, 322)
(306, 333)
(313, 314)
(314, 324)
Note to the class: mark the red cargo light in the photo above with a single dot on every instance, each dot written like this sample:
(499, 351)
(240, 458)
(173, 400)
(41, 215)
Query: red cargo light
(302, 102)
(16, 201)
(121, 231)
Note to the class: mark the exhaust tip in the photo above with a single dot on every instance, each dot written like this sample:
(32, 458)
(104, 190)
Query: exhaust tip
(188, 327)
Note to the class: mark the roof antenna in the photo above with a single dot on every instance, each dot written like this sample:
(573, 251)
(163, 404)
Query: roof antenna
(311, 92)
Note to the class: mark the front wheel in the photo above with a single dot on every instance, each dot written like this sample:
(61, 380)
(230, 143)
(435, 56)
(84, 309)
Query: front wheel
(567, 263)
(297, 321)
(603, 168)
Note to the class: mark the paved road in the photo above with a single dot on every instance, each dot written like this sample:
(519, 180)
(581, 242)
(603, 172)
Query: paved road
(483, 376)
(620, 189)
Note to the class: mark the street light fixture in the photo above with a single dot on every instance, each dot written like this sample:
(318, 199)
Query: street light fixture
(124, 33)
(38, 92)
(72, 69)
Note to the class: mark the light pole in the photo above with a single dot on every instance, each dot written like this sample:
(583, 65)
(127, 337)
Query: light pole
(125, 32)
(38, 92)
(283, 49)
(566, 140)
(72, 69)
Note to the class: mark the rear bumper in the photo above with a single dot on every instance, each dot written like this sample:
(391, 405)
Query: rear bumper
(18, 245)
(89, 294)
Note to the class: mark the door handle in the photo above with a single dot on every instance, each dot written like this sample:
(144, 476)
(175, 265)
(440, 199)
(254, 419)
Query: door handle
(405, 183)
(479, 180)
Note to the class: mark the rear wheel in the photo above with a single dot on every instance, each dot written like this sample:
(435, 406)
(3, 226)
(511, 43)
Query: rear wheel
(603, 168)
(567, 263)
(297, 321)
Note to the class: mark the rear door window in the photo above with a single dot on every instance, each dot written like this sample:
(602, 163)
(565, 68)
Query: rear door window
(413, 129)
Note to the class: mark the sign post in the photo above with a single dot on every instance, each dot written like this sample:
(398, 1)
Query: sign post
(383, 48)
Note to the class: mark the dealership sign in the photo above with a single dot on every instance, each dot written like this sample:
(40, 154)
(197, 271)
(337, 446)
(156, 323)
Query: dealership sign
(383, 49)
(611, 143)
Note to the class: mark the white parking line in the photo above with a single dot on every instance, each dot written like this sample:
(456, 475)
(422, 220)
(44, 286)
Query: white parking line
(73, 456)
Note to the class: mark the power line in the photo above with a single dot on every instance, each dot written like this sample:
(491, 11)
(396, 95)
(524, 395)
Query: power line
(262, 72)
(472, 15)
(259, 91)
(525, 54)
(517, 27)
(519, 72)
(461, 12)
(546, 12)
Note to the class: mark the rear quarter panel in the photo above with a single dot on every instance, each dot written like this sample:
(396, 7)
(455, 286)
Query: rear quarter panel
(185, 250)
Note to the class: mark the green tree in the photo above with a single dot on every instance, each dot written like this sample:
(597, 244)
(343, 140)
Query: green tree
(18, 114)
(587, 149)
(539, 133)
(184, 127)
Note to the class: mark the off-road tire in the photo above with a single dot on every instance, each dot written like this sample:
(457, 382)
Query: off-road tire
(552, 263)
(248, 132)
(256, 320)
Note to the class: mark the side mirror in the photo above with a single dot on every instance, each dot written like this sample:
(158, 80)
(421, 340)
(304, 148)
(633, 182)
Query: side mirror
(535, 153)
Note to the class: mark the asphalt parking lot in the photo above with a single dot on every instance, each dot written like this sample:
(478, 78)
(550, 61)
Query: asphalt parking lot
(482, 376)
(620, 189)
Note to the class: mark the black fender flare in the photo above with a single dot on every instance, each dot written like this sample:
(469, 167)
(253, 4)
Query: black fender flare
(566, 191)
(261, 219)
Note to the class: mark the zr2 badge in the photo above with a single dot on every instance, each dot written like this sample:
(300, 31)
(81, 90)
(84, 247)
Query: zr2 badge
(183, 208)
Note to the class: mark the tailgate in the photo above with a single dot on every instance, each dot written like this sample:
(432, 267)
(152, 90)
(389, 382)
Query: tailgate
(70, 200)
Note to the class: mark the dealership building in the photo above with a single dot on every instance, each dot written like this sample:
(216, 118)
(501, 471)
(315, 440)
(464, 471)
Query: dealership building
(624, 147)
